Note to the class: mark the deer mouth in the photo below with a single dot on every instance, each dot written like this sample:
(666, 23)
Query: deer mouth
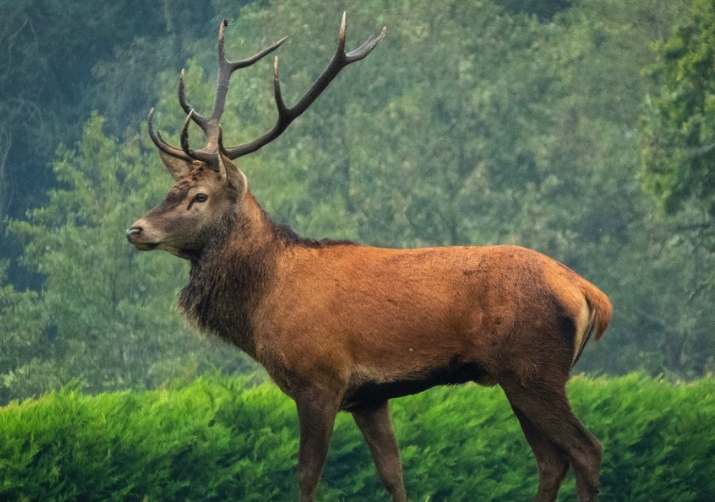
(145, 246)
(135, 236)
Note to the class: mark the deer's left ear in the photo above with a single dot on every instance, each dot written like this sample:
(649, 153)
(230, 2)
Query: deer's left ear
(178, 168)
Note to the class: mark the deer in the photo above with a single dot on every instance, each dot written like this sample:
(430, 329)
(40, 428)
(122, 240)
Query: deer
(345, 327)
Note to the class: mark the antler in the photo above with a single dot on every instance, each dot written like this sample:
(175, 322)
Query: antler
(161, 144)
(287, 115)
(211, 126)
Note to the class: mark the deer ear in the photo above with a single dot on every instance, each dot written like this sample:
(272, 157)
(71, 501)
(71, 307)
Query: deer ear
(178, 168)
(232, 175)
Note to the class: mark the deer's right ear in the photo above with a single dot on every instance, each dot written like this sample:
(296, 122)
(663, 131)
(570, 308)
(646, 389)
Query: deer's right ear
(232, 175)
(178, 168)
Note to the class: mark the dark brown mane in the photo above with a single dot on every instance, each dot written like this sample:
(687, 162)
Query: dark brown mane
(224, 284)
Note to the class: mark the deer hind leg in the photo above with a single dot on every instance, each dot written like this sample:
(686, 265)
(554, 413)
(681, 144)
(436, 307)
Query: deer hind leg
(375, 424)
(548, 413)
(552, 462)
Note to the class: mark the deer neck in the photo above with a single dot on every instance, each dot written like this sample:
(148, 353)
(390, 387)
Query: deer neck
(231, 275)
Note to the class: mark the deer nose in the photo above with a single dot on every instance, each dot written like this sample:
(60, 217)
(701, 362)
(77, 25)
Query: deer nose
(133, 232)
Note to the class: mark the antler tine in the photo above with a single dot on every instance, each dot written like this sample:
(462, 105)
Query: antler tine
(209, 158)
(226, 69)
(201, 121)
(237, 65)
(287, 115)
(160, 143)
(342, 33)
(366, 48)
(184, 137)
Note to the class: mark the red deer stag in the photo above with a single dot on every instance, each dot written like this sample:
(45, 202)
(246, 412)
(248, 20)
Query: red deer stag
(341, 326)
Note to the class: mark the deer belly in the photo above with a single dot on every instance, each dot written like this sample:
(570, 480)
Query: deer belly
(364, 392)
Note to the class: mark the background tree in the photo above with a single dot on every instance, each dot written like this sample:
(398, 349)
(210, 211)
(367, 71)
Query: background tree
(477, 123)
(677, 136)
(102, 315)
(679, 129)
(52, 76)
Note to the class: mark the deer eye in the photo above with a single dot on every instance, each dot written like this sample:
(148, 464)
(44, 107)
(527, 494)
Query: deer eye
(201, 197)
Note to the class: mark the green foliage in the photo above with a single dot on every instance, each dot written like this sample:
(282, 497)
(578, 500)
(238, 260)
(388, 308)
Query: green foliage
(679, 129)
(224, 439)
(23, 357)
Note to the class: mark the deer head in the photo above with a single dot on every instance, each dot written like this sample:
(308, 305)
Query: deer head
(209, 189)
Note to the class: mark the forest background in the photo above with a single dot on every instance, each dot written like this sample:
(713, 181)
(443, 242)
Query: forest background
(584, 129)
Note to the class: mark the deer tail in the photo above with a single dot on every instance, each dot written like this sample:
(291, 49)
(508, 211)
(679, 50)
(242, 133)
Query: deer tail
(601, 309)
(600, 313)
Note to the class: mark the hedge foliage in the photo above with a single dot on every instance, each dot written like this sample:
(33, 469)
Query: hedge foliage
(226, 439)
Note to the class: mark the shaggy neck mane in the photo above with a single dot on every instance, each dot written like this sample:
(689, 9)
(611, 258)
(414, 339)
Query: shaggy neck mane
(235, 269)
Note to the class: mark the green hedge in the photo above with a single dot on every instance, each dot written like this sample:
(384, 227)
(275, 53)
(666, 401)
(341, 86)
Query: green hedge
(224, 439)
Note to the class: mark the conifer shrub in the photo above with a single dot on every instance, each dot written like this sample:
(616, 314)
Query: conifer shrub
(223, 438)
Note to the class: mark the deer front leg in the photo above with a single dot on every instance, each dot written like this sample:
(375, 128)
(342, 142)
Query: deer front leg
(375, 424)
(316, 416)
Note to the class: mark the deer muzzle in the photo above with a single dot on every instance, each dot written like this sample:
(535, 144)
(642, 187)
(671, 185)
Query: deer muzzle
(135, 236)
